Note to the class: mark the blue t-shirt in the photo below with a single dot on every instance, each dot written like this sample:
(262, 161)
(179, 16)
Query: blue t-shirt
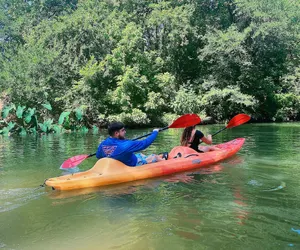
(123, 150)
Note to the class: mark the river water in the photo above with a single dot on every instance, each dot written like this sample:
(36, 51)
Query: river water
(250, 201)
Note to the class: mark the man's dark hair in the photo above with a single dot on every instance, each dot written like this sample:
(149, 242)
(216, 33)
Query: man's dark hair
(115, 126)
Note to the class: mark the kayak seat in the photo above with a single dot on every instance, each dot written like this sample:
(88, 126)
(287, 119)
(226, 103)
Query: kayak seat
(181, 152)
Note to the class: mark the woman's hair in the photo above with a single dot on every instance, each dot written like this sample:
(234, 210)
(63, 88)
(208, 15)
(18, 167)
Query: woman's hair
(186, 135)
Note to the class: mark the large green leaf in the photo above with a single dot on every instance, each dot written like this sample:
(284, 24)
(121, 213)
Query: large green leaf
(5, 131)
(28, 114)
(46, 126)
(6, 110)
(22, 131)
(32, 130)
(35, 121)
(20, 110)
(95, 129)
(47, 106)
(84, 129)
(48, 123)
(78, 114)
(43, 127)
(62, 117)
(57, 129)
(11, 125)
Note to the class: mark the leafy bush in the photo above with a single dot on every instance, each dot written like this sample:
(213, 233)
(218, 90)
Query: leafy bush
(24, 120)
(168, 118)
(289, 107)
(133, 119)
(186, 101)
(223, 103)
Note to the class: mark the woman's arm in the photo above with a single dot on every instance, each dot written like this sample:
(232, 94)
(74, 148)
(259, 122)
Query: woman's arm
(207, 140)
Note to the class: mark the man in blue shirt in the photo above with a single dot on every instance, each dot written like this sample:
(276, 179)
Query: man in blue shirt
(121, 149)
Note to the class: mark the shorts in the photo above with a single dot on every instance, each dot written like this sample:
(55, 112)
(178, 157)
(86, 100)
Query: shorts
(141, 159)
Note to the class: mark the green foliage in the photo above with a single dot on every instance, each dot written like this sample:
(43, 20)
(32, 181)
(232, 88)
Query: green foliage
(186, 101)
(35, 121)
(32, 130)
(6, 130)
(84, 130)
(20, 110)
(22, 131)
(78, 113)
(95, 130)
(223, 103)
(168, 118)
(47, 106)
(11, 125)
(29, 114)
(43, 127)
(291, 81)
(133, 119)
(64, 115)
(7, 109)
(254, 53)
(160, 101)
(57, 128)
(289, 107)
(137, 60)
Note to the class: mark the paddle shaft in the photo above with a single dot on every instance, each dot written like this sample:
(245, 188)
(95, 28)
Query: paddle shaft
(219, 131)
(142, 136)
(216, 133)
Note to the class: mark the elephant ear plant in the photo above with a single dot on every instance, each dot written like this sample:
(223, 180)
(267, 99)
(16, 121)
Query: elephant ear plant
(24, 120)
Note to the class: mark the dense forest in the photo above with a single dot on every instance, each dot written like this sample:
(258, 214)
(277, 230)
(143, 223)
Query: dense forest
(145, 62)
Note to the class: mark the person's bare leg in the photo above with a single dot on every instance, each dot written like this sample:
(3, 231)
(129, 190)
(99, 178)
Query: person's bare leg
(158, 158)
(154, 158)
(208, 148)
(203, 148)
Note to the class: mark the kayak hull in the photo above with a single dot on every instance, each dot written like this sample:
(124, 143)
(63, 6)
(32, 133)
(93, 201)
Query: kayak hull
(108, 171)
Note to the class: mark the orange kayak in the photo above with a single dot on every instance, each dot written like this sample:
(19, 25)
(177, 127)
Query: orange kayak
(108, 171)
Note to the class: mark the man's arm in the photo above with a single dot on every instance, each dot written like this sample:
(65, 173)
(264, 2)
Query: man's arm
(135, 146)
(98, 153)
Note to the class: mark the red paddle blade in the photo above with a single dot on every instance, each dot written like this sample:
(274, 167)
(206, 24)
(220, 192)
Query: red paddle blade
(238, 120)
(186, 121)
(73, 161)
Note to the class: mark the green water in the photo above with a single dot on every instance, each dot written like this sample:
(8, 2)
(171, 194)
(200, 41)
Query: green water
(250, 201)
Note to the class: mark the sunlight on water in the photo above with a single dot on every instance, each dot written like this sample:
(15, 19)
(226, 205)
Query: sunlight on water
(250, 201)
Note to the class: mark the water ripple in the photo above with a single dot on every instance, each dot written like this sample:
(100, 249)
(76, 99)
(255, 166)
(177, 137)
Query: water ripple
(13, 198)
